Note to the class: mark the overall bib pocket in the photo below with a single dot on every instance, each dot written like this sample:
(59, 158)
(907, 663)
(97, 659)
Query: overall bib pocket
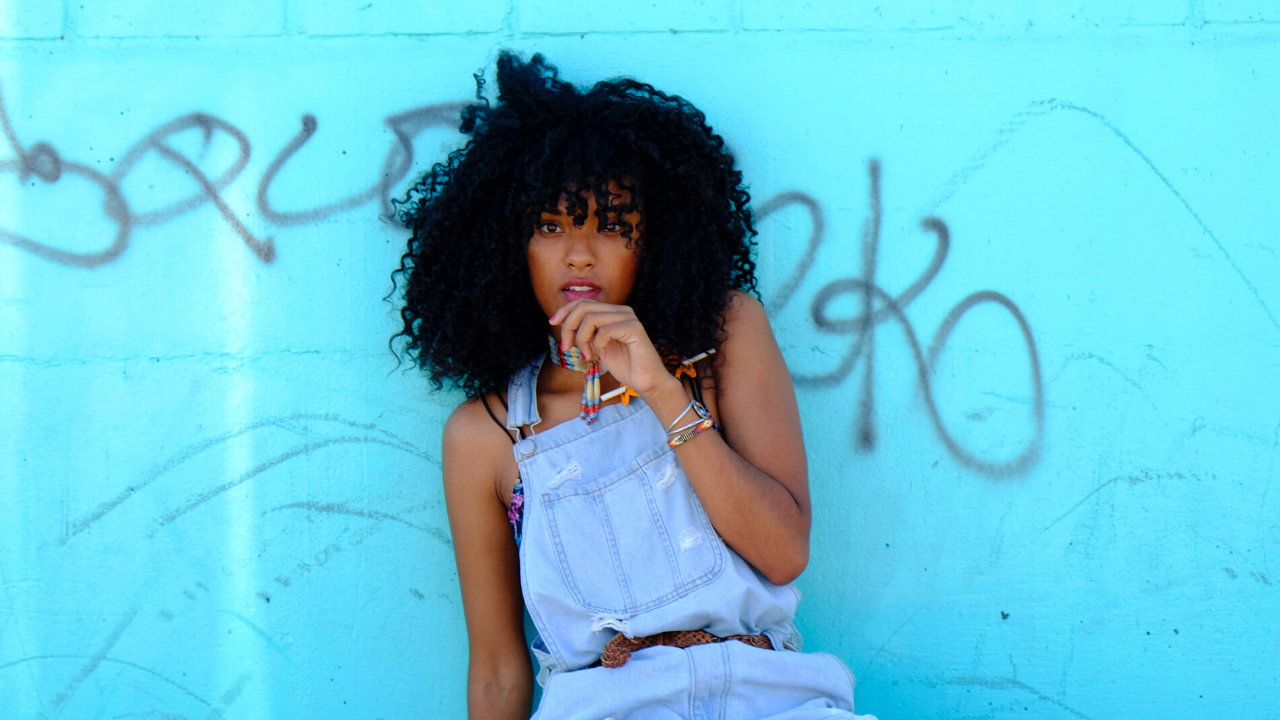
(611, 563)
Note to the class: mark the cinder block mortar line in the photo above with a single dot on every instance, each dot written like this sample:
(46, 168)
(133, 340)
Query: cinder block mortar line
(171, 36)
(1172, 31)
(1261, 30)
(357, 36)
(247, 42)
(246, 357)
(955, 31)
(1240, 23)
(622, 33)
(987, 30)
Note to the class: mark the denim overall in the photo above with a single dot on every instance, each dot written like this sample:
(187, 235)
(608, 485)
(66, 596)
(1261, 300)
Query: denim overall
(614, 540)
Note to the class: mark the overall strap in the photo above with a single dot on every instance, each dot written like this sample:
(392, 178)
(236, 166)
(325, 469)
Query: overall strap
(522, 396)
(487, 408)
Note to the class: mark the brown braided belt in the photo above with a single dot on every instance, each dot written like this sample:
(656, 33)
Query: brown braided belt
(618, 650)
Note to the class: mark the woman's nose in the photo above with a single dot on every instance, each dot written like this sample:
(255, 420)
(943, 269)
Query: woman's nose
(580, 253)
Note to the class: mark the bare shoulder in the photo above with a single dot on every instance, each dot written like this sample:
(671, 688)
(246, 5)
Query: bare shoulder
(466, 423)
(740, 300)
(746, 325)
(474, 448)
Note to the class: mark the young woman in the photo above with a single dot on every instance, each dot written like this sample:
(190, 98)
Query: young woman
(628, 465)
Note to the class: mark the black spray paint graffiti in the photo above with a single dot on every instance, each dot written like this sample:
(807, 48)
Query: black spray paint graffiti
(406, 126)
(879, 306)
(43, 162)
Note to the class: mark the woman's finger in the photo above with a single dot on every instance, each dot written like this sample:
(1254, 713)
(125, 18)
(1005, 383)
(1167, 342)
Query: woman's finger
(569, 317)
(574, 323)
(588, 323)
(622, 331)
(639, 359)
(559, 315)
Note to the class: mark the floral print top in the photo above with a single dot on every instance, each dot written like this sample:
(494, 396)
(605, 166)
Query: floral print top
(515, 511)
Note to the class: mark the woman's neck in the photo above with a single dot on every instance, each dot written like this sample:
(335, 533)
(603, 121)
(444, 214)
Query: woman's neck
(557, 380)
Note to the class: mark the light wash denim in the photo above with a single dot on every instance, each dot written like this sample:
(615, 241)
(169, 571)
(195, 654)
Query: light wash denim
(615, 540)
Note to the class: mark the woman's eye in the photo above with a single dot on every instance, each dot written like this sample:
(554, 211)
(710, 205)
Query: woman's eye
(548, 228)
(611, 228)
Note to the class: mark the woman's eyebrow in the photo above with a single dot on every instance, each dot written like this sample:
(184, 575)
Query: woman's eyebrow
(548, 210)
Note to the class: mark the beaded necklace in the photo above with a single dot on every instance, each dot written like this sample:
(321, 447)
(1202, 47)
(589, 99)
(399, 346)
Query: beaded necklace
(591, 397)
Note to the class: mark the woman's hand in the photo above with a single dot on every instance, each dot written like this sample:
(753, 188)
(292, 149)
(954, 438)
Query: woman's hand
(752, 480)
(613, 335)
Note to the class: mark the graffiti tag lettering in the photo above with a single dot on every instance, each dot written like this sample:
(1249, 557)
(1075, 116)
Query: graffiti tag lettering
(879, 306)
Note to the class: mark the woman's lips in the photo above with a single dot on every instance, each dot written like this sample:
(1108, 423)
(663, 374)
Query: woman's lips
(576, 291)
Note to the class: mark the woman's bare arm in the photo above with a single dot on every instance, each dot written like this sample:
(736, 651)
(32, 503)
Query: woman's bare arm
(476, 455)
(754, 481)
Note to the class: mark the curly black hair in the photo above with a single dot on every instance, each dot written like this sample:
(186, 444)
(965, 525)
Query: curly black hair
(470, 315)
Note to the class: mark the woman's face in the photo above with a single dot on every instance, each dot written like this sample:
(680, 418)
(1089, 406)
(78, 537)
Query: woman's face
(594, 261)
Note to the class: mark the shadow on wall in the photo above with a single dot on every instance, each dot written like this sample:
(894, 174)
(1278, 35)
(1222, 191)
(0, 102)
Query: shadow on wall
(878, 306)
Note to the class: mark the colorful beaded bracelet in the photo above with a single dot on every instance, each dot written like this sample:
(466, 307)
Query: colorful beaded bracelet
(688, 434)
(677, 436)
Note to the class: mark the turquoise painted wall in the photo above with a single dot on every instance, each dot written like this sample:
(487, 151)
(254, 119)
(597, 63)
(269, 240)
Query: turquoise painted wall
(1044, 472)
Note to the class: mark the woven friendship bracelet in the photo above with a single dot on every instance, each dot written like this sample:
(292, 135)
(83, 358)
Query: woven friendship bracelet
(688, 434)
